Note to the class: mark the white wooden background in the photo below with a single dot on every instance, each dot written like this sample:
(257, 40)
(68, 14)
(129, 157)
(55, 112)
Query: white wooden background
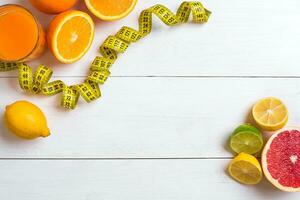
(160, 130)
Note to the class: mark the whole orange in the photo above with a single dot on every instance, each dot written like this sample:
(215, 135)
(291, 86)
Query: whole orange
(53, 6)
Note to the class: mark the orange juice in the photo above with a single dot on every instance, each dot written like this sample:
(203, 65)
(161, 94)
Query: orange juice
(21, 37)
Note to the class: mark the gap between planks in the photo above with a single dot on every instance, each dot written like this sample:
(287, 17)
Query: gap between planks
(154, 76)
(162, 158)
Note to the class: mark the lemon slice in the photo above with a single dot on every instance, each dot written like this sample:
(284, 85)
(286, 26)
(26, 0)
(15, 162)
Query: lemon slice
(270, 114)
(246, 169)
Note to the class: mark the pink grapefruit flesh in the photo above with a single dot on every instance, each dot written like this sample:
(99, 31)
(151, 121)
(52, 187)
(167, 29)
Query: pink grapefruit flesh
(281, 159)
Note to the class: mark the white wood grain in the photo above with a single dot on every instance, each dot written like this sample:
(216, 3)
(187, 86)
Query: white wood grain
(142, 179)
(162, 117)
(148, 117)
(242, 38)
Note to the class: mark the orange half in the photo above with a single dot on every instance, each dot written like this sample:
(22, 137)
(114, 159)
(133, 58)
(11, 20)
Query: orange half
(70, 35)
(110, 9)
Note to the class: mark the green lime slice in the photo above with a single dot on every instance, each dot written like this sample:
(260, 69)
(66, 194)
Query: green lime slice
(247, 139)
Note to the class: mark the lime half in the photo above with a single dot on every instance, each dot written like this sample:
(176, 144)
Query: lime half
(247, 139)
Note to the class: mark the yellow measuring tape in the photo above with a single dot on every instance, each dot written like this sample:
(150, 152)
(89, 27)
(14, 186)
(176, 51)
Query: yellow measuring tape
(99, 71)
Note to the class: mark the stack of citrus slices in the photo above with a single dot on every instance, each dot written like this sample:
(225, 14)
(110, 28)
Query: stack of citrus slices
(280, 161)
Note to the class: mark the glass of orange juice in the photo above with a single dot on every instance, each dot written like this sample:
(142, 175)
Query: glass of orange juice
(22, 38)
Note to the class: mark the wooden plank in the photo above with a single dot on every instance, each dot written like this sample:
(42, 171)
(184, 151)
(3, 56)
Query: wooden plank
(127, 179)
(241, 39)
(147, 117)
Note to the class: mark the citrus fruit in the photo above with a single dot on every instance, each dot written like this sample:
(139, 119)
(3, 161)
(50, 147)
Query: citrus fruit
(246, 138)
(70, 35)
(110, 10)
(26, 120)
(281, 159)
(246, 169)
(53, 6)
(270, 114)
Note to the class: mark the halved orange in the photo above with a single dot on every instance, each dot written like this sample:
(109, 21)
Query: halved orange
(70, 35)
(110, 9)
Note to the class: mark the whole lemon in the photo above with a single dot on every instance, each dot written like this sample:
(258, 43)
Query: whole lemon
(26, 120)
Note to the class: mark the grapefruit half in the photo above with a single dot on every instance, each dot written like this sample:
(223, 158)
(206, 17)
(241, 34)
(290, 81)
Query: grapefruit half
(281, 159)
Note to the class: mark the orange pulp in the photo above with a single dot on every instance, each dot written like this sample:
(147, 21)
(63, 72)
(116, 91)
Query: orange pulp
(111, 8)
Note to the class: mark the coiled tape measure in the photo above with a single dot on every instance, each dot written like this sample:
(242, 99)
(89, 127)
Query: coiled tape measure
(38, 82)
